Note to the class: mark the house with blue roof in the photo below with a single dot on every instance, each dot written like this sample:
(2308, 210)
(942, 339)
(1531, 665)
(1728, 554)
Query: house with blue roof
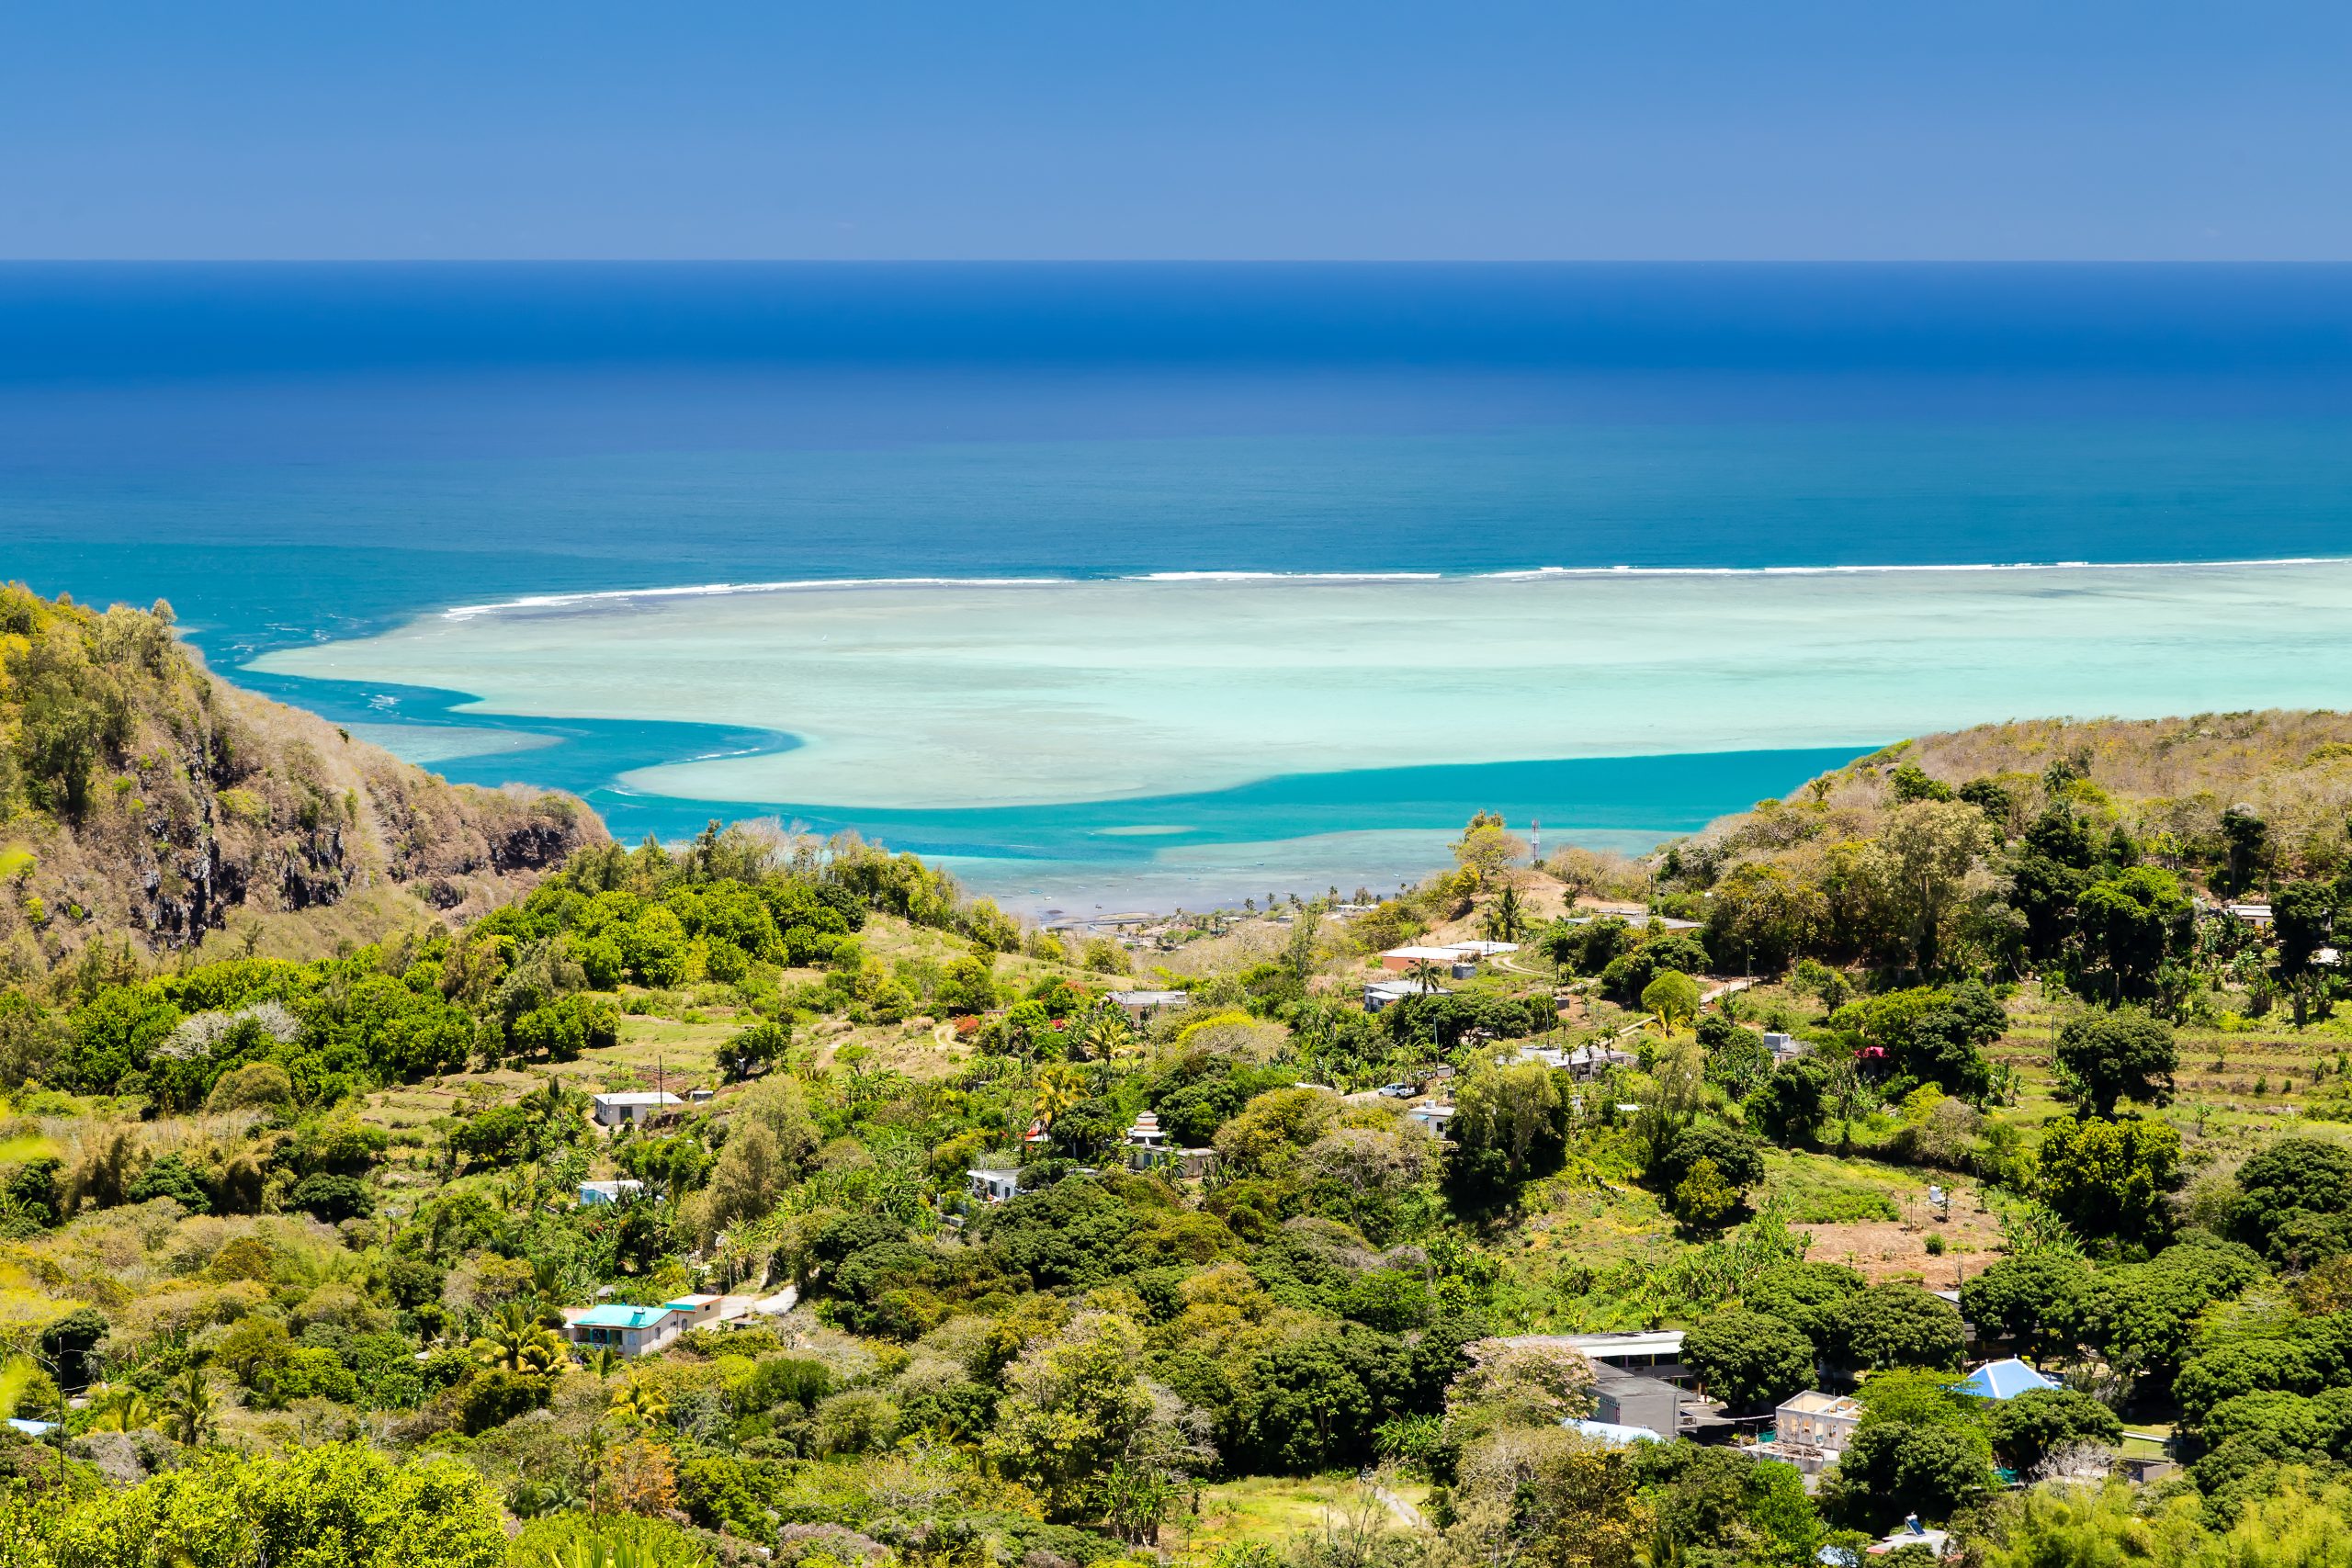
(2004, 1380)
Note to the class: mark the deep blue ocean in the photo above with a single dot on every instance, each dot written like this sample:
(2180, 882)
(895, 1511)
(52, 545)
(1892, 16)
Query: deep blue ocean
(291, 453)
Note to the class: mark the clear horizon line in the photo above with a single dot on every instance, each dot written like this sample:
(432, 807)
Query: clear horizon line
(1887, 262)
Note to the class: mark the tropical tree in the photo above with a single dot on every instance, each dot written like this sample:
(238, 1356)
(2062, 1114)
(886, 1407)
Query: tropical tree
(1486, 847)
(761, 1046)
(1672, 999)
(2118, 1055)
(1059, 1090)
(745, 1181)
(122, 1409)
(338, 1503)
(2109, 1177)
(638, 1401)
(1748, 1359)
(516, 1341)
(191, 1410)
(1919, 865)
(1506, 917)
(1074, 1406)
(1104, 1031)
(1561, 945)
(1848, 1096)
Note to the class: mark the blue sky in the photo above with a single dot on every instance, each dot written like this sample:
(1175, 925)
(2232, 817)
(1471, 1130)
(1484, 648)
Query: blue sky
(1117, 129)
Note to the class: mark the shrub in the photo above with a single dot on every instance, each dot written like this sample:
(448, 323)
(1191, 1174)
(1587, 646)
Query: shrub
(496, 1396)
(334, 1198)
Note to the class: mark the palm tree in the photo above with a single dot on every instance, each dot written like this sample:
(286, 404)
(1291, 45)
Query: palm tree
(1423, 973)
(546, 1280)
(1506, 917)
(604, 1360)
(121, 1410)
(593, 1447)
(191, 1410)
(1059, 1089)
(1105, 1032)
(637, 1400)
(519, 1342)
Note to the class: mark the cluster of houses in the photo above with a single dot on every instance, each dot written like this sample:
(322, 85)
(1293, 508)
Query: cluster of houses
(1458, 960)
(1643, 1393)
(1144, 1146)
(1585, 1062)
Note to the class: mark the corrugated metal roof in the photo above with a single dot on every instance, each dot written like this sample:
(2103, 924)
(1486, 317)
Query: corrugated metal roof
(616, 1316)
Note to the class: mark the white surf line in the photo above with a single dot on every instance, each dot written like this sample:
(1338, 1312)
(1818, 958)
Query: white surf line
(1522, 574)
(702, 589)
(1542, 572)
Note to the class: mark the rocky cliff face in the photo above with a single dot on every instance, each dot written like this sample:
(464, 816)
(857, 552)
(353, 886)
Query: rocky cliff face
(140, 796)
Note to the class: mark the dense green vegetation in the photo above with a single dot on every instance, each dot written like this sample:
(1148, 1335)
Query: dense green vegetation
(287, 1242)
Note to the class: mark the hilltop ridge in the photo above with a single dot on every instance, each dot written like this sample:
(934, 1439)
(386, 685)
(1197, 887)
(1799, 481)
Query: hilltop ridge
(143, 798)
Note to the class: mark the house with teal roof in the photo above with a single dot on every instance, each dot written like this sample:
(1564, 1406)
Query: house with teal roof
(630, 1330)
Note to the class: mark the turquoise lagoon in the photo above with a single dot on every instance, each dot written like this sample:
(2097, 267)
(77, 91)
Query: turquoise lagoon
(1178, 584)
(1213, 732)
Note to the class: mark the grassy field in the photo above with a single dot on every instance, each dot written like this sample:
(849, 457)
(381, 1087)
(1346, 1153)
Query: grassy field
(2240, 1081)
(1274, 1510)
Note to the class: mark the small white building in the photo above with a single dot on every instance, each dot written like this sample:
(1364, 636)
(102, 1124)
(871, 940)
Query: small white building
(1148, 1148)
(612, 1109)
(2252, 914)
(700, 1311)
(1784, 1048)
(1633, 918)
(1436, 1117)
(1147, 1143)
(1656, 1353)
(1400, 959)
(1387, 993)
(994, 1185)
(1141, 1005)
(1588, 1062)
(1816, 1420)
